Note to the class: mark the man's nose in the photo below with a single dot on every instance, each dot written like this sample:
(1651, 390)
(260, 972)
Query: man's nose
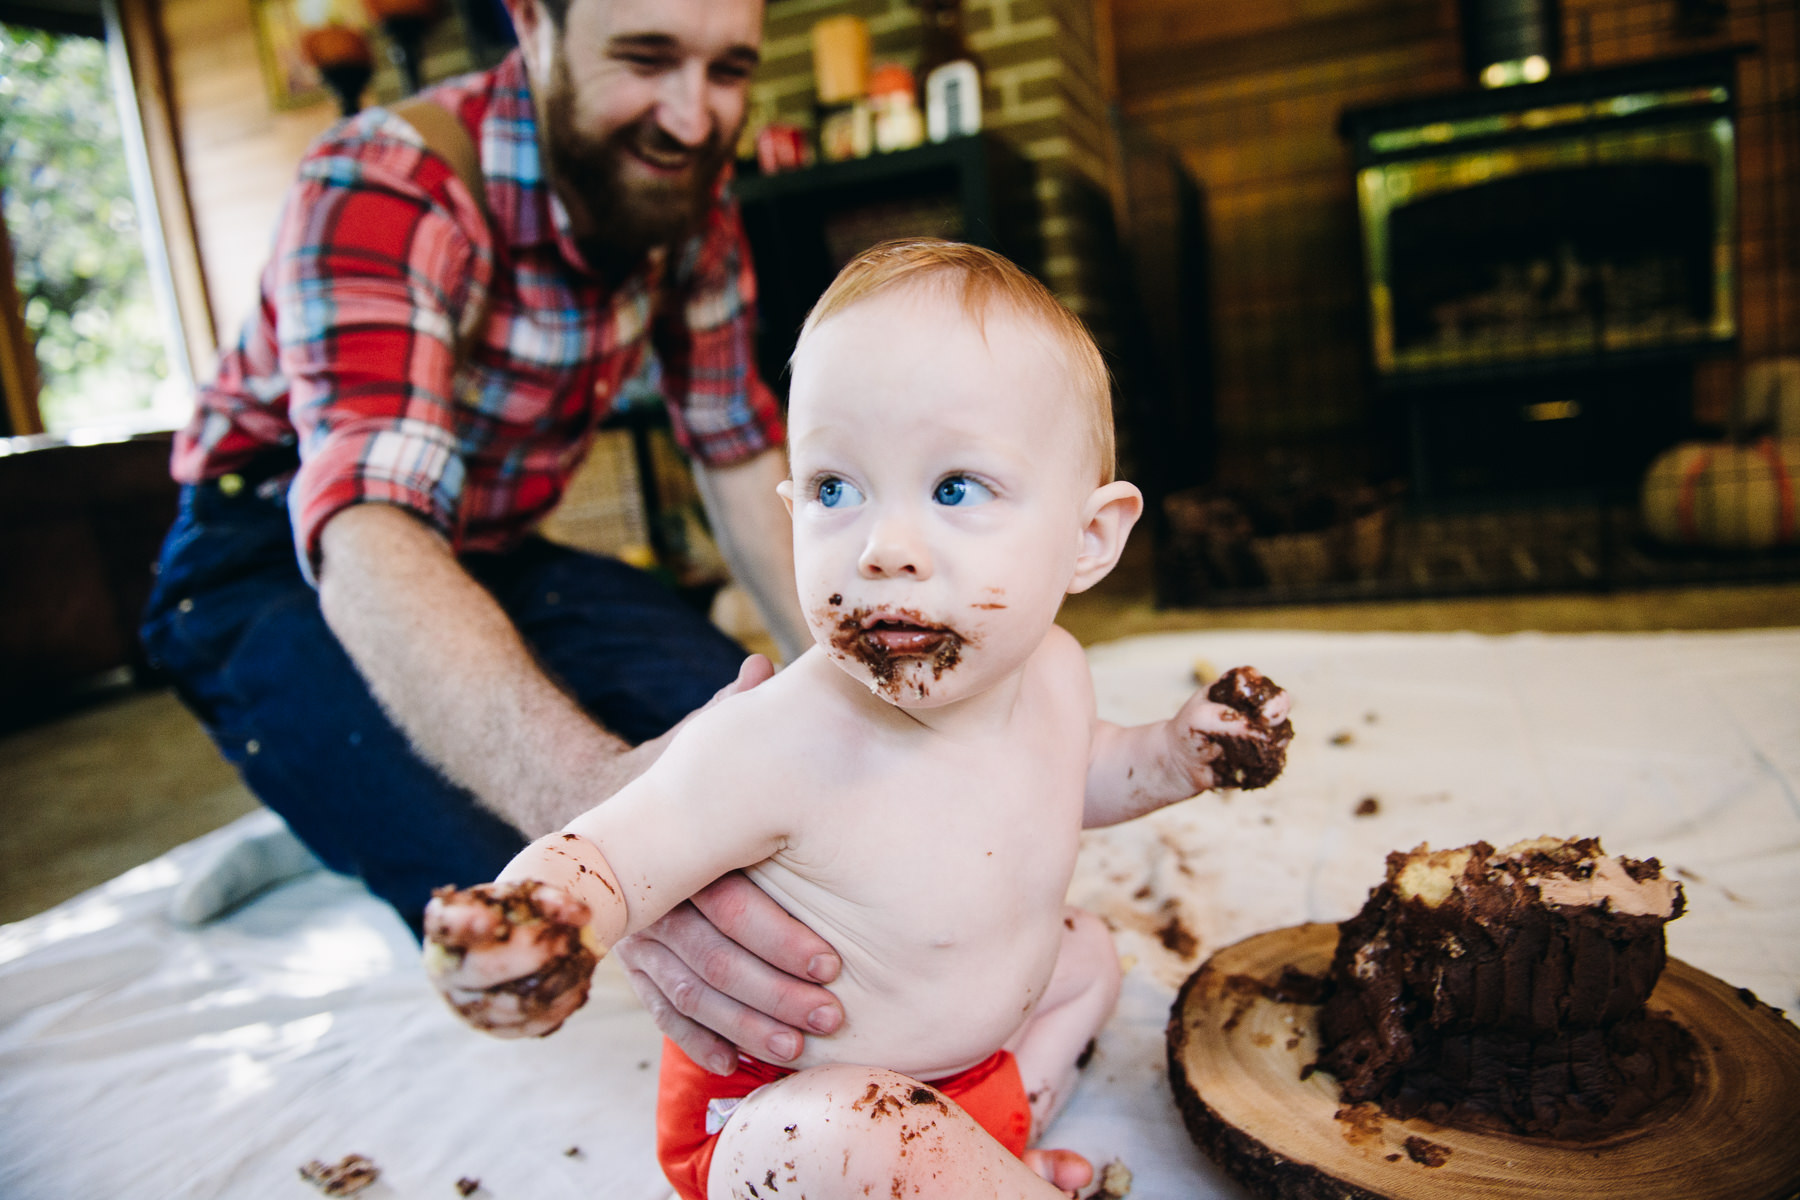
(895, 550)
(681, 110)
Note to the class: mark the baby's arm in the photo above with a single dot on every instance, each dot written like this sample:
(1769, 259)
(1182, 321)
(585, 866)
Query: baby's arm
(1235, 734)
(514, 957)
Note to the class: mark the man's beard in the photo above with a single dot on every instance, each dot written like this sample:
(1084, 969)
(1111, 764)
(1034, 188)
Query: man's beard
(624, 219)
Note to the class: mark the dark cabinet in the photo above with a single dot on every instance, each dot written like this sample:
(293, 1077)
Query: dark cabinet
(805, 225)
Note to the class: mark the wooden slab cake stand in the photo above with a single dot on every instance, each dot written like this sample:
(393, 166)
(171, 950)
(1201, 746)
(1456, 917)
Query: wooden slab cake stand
(1236, 1057)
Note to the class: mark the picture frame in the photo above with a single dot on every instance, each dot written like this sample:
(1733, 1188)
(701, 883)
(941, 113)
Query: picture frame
(291, 80)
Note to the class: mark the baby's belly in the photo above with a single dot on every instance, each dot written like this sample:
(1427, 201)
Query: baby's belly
(933, 1011)
(943, 962)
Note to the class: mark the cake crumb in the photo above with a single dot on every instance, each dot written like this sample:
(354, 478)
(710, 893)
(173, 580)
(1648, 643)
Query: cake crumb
(1342, 737)
(350, 1175)
(1368, 806)
(1361, 1123)
(1427, 1154)
(467, 1186)
(1115, 1182)
(572, 1152)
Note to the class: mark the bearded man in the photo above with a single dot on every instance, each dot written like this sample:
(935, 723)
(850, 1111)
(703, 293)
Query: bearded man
(352, 599)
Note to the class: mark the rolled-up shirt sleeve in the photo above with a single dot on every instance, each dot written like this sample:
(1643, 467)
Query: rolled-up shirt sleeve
(375, 271)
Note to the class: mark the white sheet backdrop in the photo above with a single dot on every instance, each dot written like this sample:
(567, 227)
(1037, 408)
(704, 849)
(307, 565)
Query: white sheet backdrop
(141, 1059)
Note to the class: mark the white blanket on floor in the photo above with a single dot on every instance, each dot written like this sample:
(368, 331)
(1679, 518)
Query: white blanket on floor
(141, 1059)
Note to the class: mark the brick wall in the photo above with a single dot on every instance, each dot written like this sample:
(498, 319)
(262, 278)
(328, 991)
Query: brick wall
(1042, 92)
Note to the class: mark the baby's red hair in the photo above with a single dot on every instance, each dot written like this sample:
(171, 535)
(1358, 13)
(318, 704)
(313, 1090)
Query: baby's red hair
(986, 279)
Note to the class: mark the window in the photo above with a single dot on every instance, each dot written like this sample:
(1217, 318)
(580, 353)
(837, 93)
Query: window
(91, 293)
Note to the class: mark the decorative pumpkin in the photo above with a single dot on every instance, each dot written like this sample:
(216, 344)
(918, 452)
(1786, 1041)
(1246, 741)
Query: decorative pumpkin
(1725, 496)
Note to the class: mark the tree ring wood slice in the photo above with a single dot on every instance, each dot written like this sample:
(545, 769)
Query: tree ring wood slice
(1236, 1056)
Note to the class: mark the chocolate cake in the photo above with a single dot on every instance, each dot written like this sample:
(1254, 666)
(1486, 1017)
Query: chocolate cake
(1507, 990)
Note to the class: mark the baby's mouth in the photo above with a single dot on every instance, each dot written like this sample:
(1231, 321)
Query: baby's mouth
(895, 642)
(902, 635)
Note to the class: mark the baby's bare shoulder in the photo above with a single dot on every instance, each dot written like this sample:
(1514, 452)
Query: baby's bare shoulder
(774, 730)
(1061, 663)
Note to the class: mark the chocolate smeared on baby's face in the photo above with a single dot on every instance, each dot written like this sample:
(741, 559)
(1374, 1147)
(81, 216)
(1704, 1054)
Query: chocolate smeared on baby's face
(890, 642)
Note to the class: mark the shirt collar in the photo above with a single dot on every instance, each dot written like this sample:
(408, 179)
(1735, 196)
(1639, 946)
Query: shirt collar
(523, 212)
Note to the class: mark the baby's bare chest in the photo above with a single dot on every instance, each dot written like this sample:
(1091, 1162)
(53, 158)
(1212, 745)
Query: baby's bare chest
(949, 843)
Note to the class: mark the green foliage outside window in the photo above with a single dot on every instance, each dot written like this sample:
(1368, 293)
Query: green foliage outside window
(77, 245)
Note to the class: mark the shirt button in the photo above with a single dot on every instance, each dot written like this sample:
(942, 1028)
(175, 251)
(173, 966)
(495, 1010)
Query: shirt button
(253, 746)
(186, 606)
(231, 485)
(602, 389)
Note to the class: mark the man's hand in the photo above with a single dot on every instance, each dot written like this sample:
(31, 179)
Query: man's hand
(730, 968)
(1235, 735)
(513, 958)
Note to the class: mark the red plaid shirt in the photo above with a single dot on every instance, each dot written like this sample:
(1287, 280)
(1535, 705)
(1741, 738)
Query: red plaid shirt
(351, 355)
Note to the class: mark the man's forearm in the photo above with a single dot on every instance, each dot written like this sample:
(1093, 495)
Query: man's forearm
(756, 537)
(451, 671)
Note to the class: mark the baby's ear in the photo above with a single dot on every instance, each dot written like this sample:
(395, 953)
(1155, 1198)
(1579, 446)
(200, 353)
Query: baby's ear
(785, 489)
(1107, 519)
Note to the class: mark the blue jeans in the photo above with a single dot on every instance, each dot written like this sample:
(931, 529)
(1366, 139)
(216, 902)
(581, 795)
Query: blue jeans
(239, 631)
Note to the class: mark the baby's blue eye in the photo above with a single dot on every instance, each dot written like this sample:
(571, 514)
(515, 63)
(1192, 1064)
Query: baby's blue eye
(960, 491)
(836, 493)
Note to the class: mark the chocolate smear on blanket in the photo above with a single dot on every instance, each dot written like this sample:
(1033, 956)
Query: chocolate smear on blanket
(346, 1177)
(1178, 938)
(1249, 762)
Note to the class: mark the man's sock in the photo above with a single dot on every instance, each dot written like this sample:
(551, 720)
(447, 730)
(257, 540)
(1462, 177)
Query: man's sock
(264, 853)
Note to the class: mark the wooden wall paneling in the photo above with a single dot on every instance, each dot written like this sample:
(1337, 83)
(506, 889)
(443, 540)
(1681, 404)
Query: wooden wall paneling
(239, 153)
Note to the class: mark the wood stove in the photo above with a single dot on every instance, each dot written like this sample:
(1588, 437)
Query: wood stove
(1545, 265)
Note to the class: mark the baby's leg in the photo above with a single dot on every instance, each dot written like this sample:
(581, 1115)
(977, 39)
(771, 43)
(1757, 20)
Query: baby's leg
(1083, 990)
(855, 1132)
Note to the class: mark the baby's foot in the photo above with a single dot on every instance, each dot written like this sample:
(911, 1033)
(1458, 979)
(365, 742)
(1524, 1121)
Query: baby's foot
(515, 959)
(1064, 1168)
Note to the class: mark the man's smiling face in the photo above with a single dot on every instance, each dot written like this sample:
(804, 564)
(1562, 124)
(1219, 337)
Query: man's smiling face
(640, 102)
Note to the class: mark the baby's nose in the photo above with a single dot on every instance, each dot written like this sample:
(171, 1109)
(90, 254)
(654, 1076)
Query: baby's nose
(894, 550)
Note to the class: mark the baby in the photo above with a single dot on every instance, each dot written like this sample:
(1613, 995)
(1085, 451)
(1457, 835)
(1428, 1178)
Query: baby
(912, 788)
